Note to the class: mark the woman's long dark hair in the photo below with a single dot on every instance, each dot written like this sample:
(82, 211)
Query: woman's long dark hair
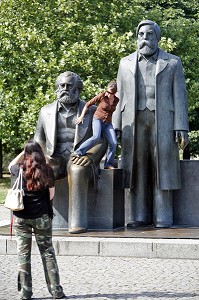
(35, 169)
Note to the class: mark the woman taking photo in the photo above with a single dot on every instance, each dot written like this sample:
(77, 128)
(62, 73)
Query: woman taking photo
(39, 189)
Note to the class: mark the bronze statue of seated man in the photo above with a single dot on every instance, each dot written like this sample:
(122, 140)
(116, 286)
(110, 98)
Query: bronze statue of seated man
(59, 136)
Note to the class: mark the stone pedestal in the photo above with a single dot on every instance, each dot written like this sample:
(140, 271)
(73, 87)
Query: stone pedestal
(105, 207)
(60, 204)
(186, 200)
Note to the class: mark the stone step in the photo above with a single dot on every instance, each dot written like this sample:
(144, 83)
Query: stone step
(114, 247)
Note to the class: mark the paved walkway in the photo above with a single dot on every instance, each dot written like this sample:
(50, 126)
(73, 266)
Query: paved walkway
(100, 278)
(4, 216)
(109, 268)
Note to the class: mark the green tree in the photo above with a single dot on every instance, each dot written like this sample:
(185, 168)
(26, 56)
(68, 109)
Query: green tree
(40, 39)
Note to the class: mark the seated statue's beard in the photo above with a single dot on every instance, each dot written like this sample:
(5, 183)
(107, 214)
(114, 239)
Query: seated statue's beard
(65, 99)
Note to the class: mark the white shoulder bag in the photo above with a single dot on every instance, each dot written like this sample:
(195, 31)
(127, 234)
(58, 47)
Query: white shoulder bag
(14, 197)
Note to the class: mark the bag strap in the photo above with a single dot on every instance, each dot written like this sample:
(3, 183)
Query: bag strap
(11, 225)
(18, 181)
(20, 178)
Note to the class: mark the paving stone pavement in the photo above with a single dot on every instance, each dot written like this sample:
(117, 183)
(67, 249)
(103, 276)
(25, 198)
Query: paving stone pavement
(105, 278)
(4, 216)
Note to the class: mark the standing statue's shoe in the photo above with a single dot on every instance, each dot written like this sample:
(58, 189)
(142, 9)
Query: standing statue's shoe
(162, 225)
(136, 224)
(76, 230)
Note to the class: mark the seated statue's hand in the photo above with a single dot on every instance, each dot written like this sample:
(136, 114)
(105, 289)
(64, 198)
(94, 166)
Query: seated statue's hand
(181, 136)
(82, 160)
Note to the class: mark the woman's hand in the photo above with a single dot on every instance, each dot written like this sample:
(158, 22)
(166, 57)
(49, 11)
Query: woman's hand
(79, 120)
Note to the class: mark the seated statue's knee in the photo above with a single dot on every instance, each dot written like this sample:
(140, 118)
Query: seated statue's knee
(78, 171)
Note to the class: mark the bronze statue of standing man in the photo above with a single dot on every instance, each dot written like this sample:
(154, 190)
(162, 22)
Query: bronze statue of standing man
(153, 117)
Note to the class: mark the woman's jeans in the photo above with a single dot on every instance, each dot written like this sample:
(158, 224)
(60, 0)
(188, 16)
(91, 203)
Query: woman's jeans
(98, 127)
(42, 228)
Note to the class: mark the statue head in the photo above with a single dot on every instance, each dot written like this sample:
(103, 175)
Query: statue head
(148, 35)
(68, 87)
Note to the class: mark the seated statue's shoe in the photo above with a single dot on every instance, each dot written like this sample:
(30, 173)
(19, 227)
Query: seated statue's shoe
(136, 224)
(74, 230)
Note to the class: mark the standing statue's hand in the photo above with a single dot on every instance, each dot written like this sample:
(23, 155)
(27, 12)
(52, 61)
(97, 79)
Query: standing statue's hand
(181, 136)
(82, 160)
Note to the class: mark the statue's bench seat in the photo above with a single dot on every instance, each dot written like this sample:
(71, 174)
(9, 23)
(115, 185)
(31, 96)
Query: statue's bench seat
(105, 207)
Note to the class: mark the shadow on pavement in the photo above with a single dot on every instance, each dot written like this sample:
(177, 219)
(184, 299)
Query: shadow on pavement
(145, 295)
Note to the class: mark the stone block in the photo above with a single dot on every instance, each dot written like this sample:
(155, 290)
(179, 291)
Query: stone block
(127, 247)
(60, 204)
(186, 200)
(106, 207)
(78, 246)
(177, 249)
(3, 245)
(12, 246)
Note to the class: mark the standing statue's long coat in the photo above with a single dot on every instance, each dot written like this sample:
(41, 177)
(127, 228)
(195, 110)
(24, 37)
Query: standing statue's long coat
(171, 114)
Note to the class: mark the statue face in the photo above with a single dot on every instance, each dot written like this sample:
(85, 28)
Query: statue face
(67, 91)
(147, 40)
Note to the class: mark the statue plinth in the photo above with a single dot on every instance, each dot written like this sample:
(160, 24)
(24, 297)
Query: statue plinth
(105, 206)
(186, 200)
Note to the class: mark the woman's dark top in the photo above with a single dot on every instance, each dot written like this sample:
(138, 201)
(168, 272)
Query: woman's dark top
(36, 203)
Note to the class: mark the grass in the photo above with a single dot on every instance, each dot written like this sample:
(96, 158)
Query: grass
(4, 186)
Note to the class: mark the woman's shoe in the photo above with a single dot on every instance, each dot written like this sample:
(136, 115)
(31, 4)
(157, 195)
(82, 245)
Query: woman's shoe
(109, 167)
(58, 295)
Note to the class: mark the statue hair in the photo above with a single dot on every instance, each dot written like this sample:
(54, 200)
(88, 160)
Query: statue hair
(79, 82)
(155, 27)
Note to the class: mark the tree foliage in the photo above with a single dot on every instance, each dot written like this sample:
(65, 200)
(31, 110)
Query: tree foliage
(39, 39)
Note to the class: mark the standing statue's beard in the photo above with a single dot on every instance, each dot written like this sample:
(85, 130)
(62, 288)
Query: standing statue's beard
(147, 48)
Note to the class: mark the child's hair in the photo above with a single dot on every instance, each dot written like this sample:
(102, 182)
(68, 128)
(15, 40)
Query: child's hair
(35, 169)
(113, 86)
